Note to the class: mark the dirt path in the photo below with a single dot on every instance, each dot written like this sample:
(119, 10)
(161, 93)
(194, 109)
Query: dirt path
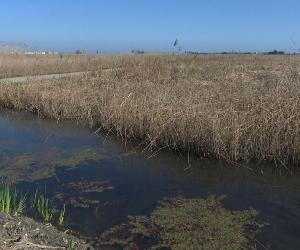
(23, 79)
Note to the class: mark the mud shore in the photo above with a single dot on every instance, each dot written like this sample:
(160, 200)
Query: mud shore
(25, 233)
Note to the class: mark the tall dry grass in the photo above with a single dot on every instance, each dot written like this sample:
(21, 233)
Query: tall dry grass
(21, 64)
(238, 108)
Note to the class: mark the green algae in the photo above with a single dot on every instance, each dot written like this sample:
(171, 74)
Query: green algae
(40, 165)
(23, 160)
(79, 158)
(76, 194)
(188, 224)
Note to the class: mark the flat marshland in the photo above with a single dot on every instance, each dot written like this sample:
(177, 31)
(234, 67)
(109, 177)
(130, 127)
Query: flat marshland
(24, 65)
(231, 107)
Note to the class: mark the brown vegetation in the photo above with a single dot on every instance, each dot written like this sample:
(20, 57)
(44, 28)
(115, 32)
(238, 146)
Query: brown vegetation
(20, 64)
(237, 108)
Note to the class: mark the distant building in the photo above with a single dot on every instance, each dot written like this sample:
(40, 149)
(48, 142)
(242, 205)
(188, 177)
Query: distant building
(41, 53)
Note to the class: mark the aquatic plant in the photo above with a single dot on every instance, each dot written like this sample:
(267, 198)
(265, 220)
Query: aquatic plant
(22, 167)
(18, 203)
(5, 198)
(188, 224)
(34, 200)
(40, 204)
(61, 217)
(43, 209)
(10, 201)
(13, 203)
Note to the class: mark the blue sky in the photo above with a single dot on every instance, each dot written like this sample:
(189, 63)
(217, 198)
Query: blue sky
(152, 25)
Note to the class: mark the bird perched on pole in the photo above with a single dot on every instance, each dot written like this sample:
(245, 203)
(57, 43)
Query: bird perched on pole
(176, 43)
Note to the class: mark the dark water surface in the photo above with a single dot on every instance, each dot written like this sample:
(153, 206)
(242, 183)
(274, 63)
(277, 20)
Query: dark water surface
(102, 181)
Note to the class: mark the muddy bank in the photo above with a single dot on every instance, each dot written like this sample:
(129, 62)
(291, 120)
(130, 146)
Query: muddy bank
(25, 233)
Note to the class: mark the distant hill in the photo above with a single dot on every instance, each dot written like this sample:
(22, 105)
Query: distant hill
(8, 47)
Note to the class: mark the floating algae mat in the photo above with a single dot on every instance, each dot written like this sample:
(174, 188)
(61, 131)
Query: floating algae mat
(107, 185)
(38, 165)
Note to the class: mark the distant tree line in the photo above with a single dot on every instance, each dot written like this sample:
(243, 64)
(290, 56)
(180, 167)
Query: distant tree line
(136, 51)
(273, 52)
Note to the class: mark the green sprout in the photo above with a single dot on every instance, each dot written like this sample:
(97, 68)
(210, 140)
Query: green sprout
(10, 201)
(61, 216)
(43, 209)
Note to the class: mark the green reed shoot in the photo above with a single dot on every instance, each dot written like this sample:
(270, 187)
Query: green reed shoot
(10, 201)
(18, 203)
(34, 200)
(43, 209)
(5, 199)
(61, 217)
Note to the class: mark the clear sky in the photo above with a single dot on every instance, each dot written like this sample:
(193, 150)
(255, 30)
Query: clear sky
(152, 25)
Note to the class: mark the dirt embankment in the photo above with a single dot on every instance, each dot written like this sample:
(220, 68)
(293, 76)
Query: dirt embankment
(25, 233)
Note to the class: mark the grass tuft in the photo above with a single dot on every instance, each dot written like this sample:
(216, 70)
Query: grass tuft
(61, 217)
(10, 201)
(43, 209)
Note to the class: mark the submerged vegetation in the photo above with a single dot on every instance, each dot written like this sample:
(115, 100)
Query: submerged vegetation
(39, 165)
(231, 107)
(188, 224)
(176, 223)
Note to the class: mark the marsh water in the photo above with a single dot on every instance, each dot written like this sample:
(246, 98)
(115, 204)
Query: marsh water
(102, 180)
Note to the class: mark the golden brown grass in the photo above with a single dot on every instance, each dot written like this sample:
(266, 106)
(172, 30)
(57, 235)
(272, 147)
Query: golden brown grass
(238, 108)
(20, 64)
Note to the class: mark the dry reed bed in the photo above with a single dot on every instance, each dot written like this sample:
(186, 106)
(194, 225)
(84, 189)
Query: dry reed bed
(237, 108)
(20, 64)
